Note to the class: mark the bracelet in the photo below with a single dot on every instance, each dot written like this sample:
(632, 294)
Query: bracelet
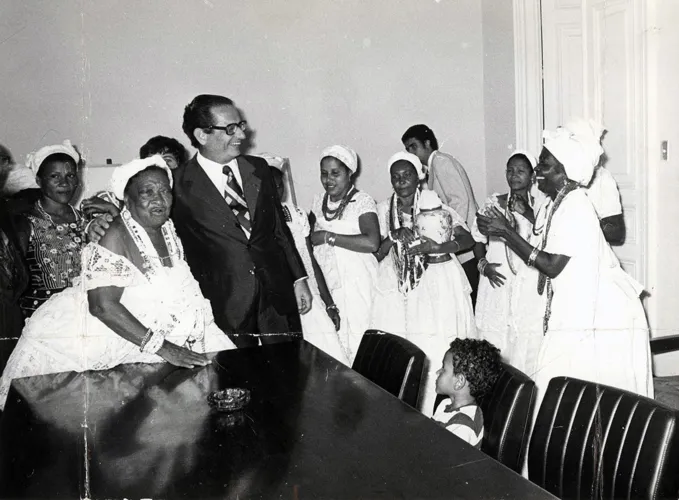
(481, 266)
(331, 239)
(325, 238)
(145, 340)
(533, 255)
(390, 235)
(331, 306)
(154, 343)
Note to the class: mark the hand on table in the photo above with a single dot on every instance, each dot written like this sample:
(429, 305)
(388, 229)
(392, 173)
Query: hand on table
(181, 356)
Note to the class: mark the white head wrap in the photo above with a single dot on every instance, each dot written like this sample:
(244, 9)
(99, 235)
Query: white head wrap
(410, 158)
(531, 159)
(578, 147)
(34, 160)
(122, 174)
(344, 154)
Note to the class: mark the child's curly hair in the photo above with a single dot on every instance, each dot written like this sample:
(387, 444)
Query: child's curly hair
(479, 361)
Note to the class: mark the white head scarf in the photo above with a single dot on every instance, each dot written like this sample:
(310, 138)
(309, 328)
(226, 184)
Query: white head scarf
(578, 147)
(34, 160)
(344, 154)
(410, 158)
(122, 174)
(531, 159)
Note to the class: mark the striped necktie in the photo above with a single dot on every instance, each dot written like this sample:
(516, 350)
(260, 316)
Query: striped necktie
(233, 194)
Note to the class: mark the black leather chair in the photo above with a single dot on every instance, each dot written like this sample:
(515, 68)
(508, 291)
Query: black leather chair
(393, 363)
(507, 416)
(592, 441)
(666, 388)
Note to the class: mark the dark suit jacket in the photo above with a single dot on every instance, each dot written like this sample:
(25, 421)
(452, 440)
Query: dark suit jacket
(226, 264)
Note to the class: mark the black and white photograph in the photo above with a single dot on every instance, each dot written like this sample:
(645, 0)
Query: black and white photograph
(339, 249)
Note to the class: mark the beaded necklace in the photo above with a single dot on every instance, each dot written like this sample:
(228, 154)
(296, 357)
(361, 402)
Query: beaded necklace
(148, 252)
(543, 279)
(332, 214)
(47, 216)
(512, 222)
(143, 242)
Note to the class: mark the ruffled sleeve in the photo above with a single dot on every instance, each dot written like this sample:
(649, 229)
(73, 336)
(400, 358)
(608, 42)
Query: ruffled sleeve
(101, 267)
(364, 204)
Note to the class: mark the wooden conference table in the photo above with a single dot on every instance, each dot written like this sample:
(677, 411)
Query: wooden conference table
(314, 429)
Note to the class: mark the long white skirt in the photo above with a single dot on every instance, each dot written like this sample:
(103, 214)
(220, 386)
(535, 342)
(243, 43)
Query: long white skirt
(431, 316)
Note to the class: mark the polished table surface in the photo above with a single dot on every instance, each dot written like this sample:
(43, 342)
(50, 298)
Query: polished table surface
(314, 429)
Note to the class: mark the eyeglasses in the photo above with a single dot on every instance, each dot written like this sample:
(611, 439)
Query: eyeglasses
(230, 129)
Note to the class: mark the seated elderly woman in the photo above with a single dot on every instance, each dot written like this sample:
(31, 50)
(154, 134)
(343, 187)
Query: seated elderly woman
(594, 324)
(144, 304)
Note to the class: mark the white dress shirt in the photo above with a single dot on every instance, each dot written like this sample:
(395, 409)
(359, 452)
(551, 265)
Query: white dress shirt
(214, 172)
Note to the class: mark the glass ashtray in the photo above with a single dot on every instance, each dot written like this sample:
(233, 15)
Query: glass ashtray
(229, 400)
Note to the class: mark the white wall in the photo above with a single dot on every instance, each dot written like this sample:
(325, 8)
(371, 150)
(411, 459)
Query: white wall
(307, 73)
(498, 90)
(663, 81)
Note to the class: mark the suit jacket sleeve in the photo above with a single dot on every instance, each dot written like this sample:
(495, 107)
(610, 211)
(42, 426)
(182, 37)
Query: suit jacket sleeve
(284, 237)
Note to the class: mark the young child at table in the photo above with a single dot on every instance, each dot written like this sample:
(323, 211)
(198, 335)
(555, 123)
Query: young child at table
(470, 369)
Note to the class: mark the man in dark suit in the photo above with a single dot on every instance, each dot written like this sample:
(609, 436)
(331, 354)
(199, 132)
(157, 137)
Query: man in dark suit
(234, 234)
(233, 230)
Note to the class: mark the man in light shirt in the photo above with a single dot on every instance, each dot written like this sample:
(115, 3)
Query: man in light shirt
(448, 178)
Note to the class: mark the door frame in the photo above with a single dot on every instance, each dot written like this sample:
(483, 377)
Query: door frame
(528, 83)
(528, 74)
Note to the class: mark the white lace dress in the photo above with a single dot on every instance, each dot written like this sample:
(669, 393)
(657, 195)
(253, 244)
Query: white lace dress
(432, 315)
(63, 336)
(317, 326)
(350, 276)
(494, 305)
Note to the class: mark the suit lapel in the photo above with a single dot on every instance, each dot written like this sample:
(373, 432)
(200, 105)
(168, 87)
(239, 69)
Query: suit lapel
(251, 184)
(199, 186)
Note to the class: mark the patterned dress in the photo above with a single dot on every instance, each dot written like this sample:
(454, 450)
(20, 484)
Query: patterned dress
(53, 257)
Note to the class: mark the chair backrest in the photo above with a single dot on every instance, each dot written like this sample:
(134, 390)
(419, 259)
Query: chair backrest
(594, 441)
(507, 416)
(392, 362)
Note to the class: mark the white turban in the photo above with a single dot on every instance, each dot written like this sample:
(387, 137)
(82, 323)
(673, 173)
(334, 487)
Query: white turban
(410, 158)
(122, 174)
(524, 152)
(344, 154)
(578, 147)
(34, 160)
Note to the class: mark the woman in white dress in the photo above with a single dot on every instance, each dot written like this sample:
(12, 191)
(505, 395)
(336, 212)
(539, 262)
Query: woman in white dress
(136, 300)
(422, 292)
(503, 273)
(594, 324)
(321, 323)
(345, 233)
